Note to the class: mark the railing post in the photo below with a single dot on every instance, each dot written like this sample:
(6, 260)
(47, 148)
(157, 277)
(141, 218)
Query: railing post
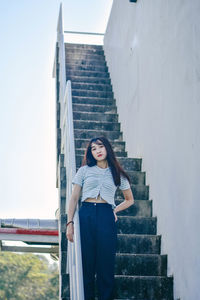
(61, 59)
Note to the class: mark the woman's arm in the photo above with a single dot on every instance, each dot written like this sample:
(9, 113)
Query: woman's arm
(71, 210)
(129, 200)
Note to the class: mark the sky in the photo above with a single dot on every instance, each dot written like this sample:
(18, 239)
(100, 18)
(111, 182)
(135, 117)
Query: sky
(27, 103)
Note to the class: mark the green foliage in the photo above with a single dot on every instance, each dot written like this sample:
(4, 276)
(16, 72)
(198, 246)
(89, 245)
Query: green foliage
(27, 276)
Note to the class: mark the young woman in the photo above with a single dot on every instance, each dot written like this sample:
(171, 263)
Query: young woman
(97, 179)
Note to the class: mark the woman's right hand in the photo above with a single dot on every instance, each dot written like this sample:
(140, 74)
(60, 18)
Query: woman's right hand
(70, 232)
(76, 191)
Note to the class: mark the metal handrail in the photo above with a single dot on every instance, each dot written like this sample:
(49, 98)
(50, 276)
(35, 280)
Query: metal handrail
(74, 259)
(82, 32)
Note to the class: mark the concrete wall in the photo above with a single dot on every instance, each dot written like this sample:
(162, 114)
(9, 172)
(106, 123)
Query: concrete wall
(152, 49)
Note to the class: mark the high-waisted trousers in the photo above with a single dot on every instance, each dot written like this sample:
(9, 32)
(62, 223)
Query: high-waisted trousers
(98, 245)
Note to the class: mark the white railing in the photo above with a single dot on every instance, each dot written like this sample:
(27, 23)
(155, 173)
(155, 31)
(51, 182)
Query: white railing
(74, 259)
(74, 262)
(81, 32)
(83, 37)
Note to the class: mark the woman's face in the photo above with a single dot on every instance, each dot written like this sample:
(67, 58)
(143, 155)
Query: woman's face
(98, 151)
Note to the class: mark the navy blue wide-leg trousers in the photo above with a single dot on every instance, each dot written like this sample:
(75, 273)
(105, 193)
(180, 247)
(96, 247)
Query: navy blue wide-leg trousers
(98, 244)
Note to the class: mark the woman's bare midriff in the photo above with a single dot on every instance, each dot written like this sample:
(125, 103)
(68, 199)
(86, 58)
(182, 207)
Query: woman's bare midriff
(98, 199)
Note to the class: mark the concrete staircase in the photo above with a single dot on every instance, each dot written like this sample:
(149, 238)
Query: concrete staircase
(141, 271)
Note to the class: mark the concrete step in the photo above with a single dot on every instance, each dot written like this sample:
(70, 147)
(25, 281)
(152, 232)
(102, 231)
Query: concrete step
(144, 287)
(140, 208)
(130, 164)
(138, 243)
(91, 86)
(96, 125)
(110, 109)
(139, 192)
(136, 225)
(93, 100)
(89, 134)
(83, 59)
(75, 59)
(85, 73)
(95, 53)
(85, 79)
(88, 93)
(141, 264)
(137, 177)
(84, 52)
(83, 46)
(133, 164)
(87, 68)
(81, 152)
(95, 116)
(117, 145)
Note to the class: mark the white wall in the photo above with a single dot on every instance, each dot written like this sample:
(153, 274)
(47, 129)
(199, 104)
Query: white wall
(153, 53)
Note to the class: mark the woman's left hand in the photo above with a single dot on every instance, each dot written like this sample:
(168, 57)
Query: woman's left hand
(116, 218)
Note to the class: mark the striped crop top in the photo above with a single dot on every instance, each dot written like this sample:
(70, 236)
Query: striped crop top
(95, 180)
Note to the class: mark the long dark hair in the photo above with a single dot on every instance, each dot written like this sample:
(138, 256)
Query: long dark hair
(116, 168)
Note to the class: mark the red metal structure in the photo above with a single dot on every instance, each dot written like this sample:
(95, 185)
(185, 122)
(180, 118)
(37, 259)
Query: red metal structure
(35, 232)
